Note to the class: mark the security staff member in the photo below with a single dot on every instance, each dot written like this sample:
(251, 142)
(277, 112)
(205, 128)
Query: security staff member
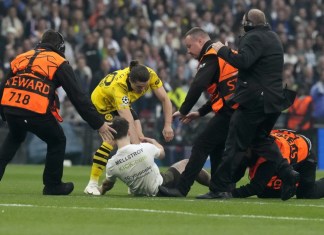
(264, 181)
(28, 105)
(261, 98)
(219, 79)
(299, 116)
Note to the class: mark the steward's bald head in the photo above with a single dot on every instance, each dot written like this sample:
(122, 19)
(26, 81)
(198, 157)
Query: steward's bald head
(256, 16)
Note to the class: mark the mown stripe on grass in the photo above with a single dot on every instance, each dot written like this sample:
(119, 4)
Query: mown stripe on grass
(173, 212)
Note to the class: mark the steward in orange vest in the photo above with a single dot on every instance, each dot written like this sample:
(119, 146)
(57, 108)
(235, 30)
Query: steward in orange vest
(299, 116)
(31, 87)
(29, 104)
(218, 78)
(264, 181)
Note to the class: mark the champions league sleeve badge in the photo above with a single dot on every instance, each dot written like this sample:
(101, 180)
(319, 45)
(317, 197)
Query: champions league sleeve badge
(125, 100)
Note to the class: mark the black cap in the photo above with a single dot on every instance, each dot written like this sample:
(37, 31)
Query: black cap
(54, 38)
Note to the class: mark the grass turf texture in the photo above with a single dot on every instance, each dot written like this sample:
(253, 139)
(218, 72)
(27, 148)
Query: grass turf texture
(24, 210)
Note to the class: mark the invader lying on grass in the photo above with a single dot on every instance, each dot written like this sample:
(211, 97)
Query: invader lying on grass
(134, 164)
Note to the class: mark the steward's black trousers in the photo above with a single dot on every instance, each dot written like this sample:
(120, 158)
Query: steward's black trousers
(249, 128)
(47, 129)
(211, 143)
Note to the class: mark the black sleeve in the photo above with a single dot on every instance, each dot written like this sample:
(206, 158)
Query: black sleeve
(79, 99)
(209, 70)
(256, 186)
(249, 51)
(205, 109)
(2, 85)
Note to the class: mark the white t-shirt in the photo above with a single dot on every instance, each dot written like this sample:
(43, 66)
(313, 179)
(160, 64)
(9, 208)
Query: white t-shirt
(134, 165)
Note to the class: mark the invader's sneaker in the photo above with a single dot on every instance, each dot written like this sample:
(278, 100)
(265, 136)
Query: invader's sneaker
(92, 189)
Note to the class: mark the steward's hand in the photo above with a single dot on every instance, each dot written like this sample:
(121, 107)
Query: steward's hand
(217, 46)
(177, 114)
(189, 117)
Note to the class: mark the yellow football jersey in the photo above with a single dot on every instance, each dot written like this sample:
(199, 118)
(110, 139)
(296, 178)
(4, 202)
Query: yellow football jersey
(114, 91)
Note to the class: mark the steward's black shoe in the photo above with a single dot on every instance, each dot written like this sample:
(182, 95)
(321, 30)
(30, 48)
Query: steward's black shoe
(215, 195)
(60, 189)
(169, 192)
(289, 187)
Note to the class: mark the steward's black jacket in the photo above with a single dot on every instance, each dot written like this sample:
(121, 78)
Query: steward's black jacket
(208, 71)
(260, 64)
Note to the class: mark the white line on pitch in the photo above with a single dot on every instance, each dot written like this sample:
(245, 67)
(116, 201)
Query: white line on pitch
(172, 212)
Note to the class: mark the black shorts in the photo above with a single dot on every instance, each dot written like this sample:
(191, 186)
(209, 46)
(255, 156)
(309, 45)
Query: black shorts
(109, 116)
(171, 177)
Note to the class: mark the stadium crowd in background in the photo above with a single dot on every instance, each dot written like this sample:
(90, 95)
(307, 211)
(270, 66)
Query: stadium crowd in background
(105, 35)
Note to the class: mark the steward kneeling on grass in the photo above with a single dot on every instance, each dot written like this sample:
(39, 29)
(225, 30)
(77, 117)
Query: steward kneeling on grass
(134, 164)
(264, 181)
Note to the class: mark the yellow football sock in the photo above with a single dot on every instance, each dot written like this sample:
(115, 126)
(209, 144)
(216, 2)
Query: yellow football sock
(100, 160)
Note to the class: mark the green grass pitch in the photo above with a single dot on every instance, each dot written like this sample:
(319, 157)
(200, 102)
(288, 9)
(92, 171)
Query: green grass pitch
(24, 210)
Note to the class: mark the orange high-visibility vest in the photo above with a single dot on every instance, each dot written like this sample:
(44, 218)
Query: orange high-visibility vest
(294, 147)
(224, 88)
(31, 86)
(297, 112)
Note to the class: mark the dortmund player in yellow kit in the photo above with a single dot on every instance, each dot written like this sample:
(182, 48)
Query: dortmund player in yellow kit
(114, 96)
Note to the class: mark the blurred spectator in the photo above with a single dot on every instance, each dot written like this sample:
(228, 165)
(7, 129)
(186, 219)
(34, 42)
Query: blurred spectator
(290, 56)
(288, 77)
(167, 51)
(318, 46)
(149, 59)
(207, 23)
(91, 52)
(112, 57)
(317, 93)
(308, 78)
(309, 53)
(124, 55)
(106, 40)
(78, 26)
(54, 16)
(159, 34)
(119, 28)
(299, 68)
(11, 21)
(40, 27)
(319, 67)
(97, 16)
(83, 74)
